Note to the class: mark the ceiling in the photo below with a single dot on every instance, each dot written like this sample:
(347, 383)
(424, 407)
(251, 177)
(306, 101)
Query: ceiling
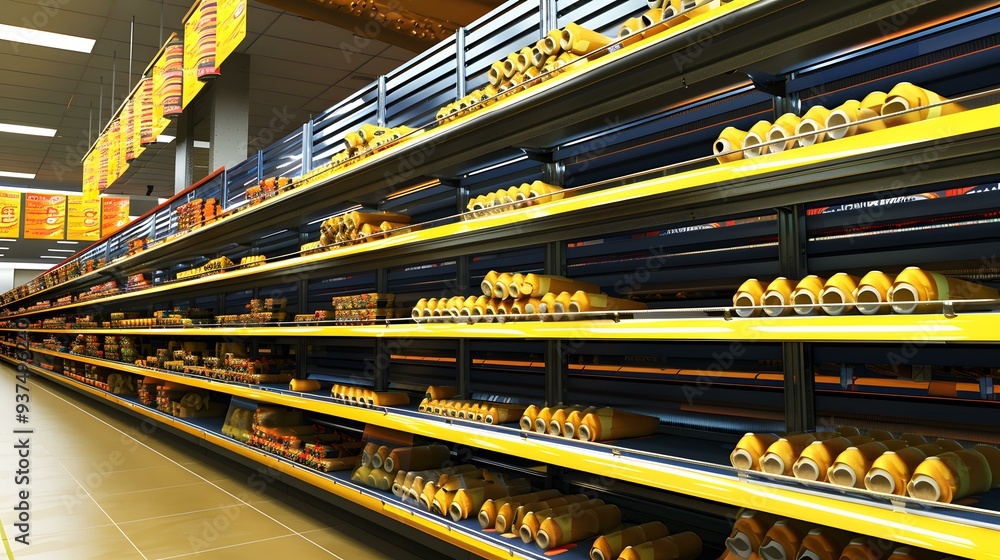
(297, 66)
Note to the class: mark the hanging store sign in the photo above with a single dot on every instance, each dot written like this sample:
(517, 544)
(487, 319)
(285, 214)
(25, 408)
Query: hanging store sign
(44, 216)
(114, 214)
(10, 214)
(83, 219)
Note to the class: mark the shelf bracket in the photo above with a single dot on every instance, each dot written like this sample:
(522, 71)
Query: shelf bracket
(792, 241)
(800, 393)
(555, 358)
(766, 82)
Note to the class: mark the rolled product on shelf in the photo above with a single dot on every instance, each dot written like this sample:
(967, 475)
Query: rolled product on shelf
(549, 193)
(914, 285)
(538, 56)
(837, 296)
(527, 422)
(378, 458)
(360, 474)
(495, 74)
(854, 463)
(864, 548)
(873, 290)
(817, 458)
(748, 532)
(580, 40)
(510, 65)
(752, 142)
(682, 546)
(532, 521)
(893, 470)
(412, 477)
(398, 482)
(524, 59)
(513, 286)
(541, 425)
(554, 306)
(806, 295)
(416, 458)
(782, 454)
(488, 281)
(841, 120)
(948, 444)
(303, 385)
(951, 476)
(908, 553)
(881, 435)
(488, 512)
(510, 516)
(557, 531)
(905, 96)
(729, 139)
(812, 125)
(469, 501)
(552, 43)
(573, 420)
(849, 431)
(651, 17)
(391, 398)
(608, 424)
(611, 545)
(750, 449)
(749, 297)
(438, 392)
(913, 439)
(783, 127)
(823, 543)
(502, 413)
(380, 479)
(501, 285)
(581, 302)
(557, 423)
(783, 540)
(992, 455)
(777, 295)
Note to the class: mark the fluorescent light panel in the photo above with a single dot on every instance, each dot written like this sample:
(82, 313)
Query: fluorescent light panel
(8, 240)
(15, 175)
(51, 257)
(202, 144)
(30, 130)
(165, 139)
(68, 242)
(62, 250)
(45, 39)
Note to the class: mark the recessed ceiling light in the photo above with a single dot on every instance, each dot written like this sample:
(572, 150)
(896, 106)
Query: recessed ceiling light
(202, 144)
(165, 139)
(62, 251)
(31, 130)
(68, 242)
(15, 175)
(45, 39)
(8, 240)
(51, 257)
(4, 248)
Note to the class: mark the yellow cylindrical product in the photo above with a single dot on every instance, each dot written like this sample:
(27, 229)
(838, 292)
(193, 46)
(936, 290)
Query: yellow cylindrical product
(557, 531)
(865, 548)
(992, 455)
(397, 483)
(573, 421)
(514, 284)
(474, 312)
(782, 454)
(682, 546)
(783, 540)
(580, 40)
(538, 56)
(378, 458)
(488, 281)
(650, 20)
(367, 453)
(303, 385)
(783, 127)
(632, 28)
(608, 424)
(729, 139)
(848, 431)
(510, 65)
(854, 463)
(552, 43)
(951, 476)
(752, 142)
(428, 311)
(438, 392)
(748, 533)
(880, 435)
(416, 458)
(496, 73)
(905, 96)
(543, 418)
(545, 191)
(491, 507)
(583, 302)
(610, 546)
(505, 311)
(748, 298)
(914, 285)
(510, 518)
(817, 458)
(873, 290)
(538, 285)
(380, 479)
(692, 8)
(837, 296)
(913, 439)
(948, 444)
(777, 295)
(841, 120)
(528, 526)
(468, 501)
(501, 285)
(806, 295)
(524, 59)
(361, 474)
(823, 543)
(558, 420)
(390, 398)
(418, 309)
(874, 101)
(812, 124)
(527, 422)
(548, 305)
(750, 449)
(893, 470)
(502, 413)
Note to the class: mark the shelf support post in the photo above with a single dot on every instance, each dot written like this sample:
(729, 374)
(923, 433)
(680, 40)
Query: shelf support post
(302, 343)
(548, 17)
(463, 355)
(555, 359)
(800, 395)
(382, 356)
(307, 146)
(381, 101)
(461, 78)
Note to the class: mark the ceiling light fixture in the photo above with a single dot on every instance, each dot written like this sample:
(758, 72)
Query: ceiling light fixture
(202, 144)
(51, 257)
(62, 250)
(29, 130)
(4, 248)
(165, 139)
(8, 240)
(30, 36)
(68, 242)
(15, 175)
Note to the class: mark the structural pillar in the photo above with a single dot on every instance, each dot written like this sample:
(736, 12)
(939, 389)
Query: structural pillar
(229, 100)
(184, 154)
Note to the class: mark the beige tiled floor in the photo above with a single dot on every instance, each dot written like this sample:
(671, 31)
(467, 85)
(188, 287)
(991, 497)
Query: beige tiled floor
(106, 486)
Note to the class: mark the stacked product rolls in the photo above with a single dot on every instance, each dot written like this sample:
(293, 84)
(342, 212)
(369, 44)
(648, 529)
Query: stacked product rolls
(587, 423)
(941, 471)
(513, 197)
(362, 396)
(515, 296)
(913, 291)
(661, 16)
(905, 103)
(368, 140)
(762, 535)
(649, 541)
(354, 227)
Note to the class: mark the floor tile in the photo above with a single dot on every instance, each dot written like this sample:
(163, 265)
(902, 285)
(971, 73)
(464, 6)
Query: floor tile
(349, 543)
(157, 502)
(95, 543)
(282, 547)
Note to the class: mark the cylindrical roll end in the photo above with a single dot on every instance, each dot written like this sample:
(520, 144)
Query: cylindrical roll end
(742, 459)
(806, 469)
(832, 301)
(542, 540)
(924, 487)
(838, 118)
(879, 480)
(772, 464)
(904, 298)
(869, 300)
(842, 475)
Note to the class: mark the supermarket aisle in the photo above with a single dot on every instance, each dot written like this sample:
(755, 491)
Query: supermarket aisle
(104, 485)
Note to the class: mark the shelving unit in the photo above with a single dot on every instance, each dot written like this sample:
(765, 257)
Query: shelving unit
(650, 215)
